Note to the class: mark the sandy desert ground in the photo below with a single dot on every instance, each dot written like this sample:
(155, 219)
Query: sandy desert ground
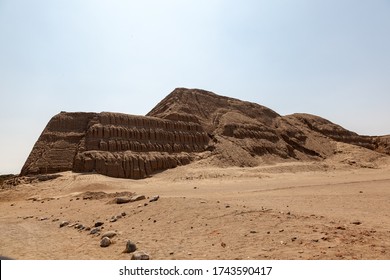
(314, 210)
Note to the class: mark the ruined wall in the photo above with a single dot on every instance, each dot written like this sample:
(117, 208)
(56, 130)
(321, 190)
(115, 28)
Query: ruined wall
(56, 147)
(335, 131)
(382, 144)
(119, 132)
(114, 144)
(128, 164)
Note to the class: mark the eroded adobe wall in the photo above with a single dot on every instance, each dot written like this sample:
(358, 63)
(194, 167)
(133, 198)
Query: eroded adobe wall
(127, 146)
(114, 144)
(58, 144)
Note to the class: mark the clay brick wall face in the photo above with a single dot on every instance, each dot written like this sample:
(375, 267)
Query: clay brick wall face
(114, 144)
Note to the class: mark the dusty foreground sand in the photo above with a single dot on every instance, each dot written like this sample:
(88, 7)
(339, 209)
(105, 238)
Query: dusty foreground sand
(285, 211)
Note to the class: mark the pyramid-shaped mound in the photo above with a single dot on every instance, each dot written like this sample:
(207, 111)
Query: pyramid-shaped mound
(187, 125)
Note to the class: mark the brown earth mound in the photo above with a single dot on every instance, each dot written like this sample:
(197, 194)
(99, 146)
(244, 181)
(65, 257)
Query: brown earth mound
(188, 125)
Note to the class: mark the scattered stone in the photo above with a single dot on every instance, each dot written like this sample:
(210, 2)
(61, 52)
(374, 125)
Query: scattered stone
(123, 214)
(145, 204)
(94, 230)
(109, 234)
(253, 231)
(130, 247)
(28, 217)
(137, 198)
(105, 242)
(98, 224)
(294, 238)
(281, 230)
(357, 223)
(113, 219)
(122, 200)
(227, 206)
(223, 244)
(43, 218)
(64, 224)
(154, 198)
(79, 226)
(341, 228)
(140, 256)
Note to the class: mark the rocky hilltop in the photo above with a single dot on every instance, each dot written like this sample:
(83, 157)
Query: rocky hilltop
(187, 125)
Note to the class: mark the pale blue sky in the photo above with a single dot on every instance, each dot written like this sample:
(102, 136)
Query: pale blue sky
(329, 58)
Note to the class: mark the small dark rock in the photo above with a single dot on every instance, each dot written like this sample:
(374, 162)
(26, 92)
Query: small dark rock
(109, 234)
(80, 226)
(94, 230)
(98, 224)
(105, 242)
(130, 247)
(122, 200)
(154, 198)
(64, 224)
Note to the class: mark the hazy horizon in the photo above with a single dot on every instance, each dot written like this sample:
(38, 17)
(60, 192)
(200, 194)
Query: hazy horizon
(327, 58)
